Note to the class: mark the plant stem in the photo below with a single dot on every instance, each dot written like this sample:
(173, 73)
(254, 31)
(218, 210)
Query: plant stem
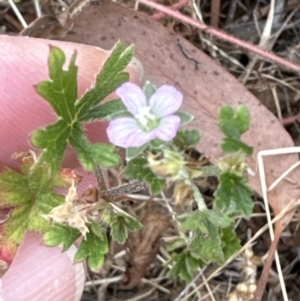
(198, 197)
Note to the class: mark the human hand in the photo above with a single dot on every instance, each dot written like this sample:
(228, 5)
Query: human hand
(39, 272)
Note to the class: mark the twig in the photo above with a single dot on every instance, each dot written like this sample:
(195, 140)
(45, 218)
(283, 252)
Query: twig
(231, 13)
(37, 8)
(276, 101)
(215, 13)
(13, 21)
(176, 6)
(283, 26)
(272, 186)
(17, 13)
(224, 36)
(268, 27)
(187, 55)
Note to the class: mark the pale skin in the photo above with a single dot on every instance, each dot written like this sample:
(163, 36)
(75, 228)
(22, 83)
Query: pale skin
(39, 271)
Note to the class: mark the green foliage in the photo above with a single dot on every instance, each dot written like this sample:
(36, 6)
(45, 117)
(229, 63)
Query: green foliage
(198, 219)
(231, 243)
(61, 235)
(109, 79)
(137, 169)
(93, 247)
(110, 110)
(207, 227)
(185, 118)
(187, 139)
(183, 266)
(233, 194)
(233, 124)
(61, 93)
(32, 195)
(133, 152)
(120, 224)
(149, 89)
(211, 236)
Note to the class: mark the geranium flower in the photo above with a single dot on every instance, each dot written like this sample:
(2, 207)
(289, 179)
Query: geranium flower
(151, 119)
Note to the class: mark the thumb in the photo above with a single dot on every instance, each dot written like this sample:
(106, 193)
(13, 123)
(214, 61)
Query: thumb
(39, 272)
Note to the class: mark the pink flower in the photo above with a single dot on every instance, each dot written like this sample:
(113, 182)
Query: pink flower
(151, 119)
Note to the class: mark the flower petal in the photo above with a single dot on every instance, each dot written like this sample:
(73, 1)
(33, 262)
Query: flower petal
(125, 132)
(140, 138)
(165, 101)
(168, 128)
(132, 96)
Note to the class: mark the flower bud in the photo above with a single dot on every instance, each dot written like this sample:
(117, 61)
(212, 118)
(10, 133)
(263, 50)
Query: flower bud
(234, 163)
(171, 165)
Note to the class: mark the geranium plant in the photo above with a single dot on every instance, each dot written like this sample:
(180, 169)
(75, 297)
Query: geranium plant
(148, 124)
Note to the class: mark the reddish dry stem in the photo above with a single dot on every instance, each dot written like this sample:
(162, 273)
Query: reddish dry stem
(176, 6)
(291, 119)
(267, 266)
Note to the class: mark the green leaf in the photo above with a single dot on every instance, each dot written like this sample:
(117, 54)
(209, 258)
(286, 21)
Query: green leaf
(61, 235)
(98, 230)
(61, 92)
(230, 145)
(193, 221)
(207, 227)
(233, 124)
(53, 141)
(110, 110)
(137, 169)
(233, 194)
(242, 118)
(133, 152)
(149, 89)
(91, 154)
(198, 220)
(119, 231)
(219, 219)
(178, 243)
(32, 196)
(110, 77)
(183, 266)
(120, 225)
(231, 242)
(187, 139)
(208, 246)
(93, 248)
(239, 119)
(185, 118)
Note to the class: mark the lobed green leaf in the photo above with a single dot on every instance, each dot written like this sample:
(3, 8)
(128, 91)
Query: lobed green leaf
(93, 248)
(61, 235)
(61, 92)
(187, 139)
(110, 77)
(110, 110)
(231, 242)
(31, 195)
(233, 194)
(120, 225)
(233, 124)
(183, 266)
